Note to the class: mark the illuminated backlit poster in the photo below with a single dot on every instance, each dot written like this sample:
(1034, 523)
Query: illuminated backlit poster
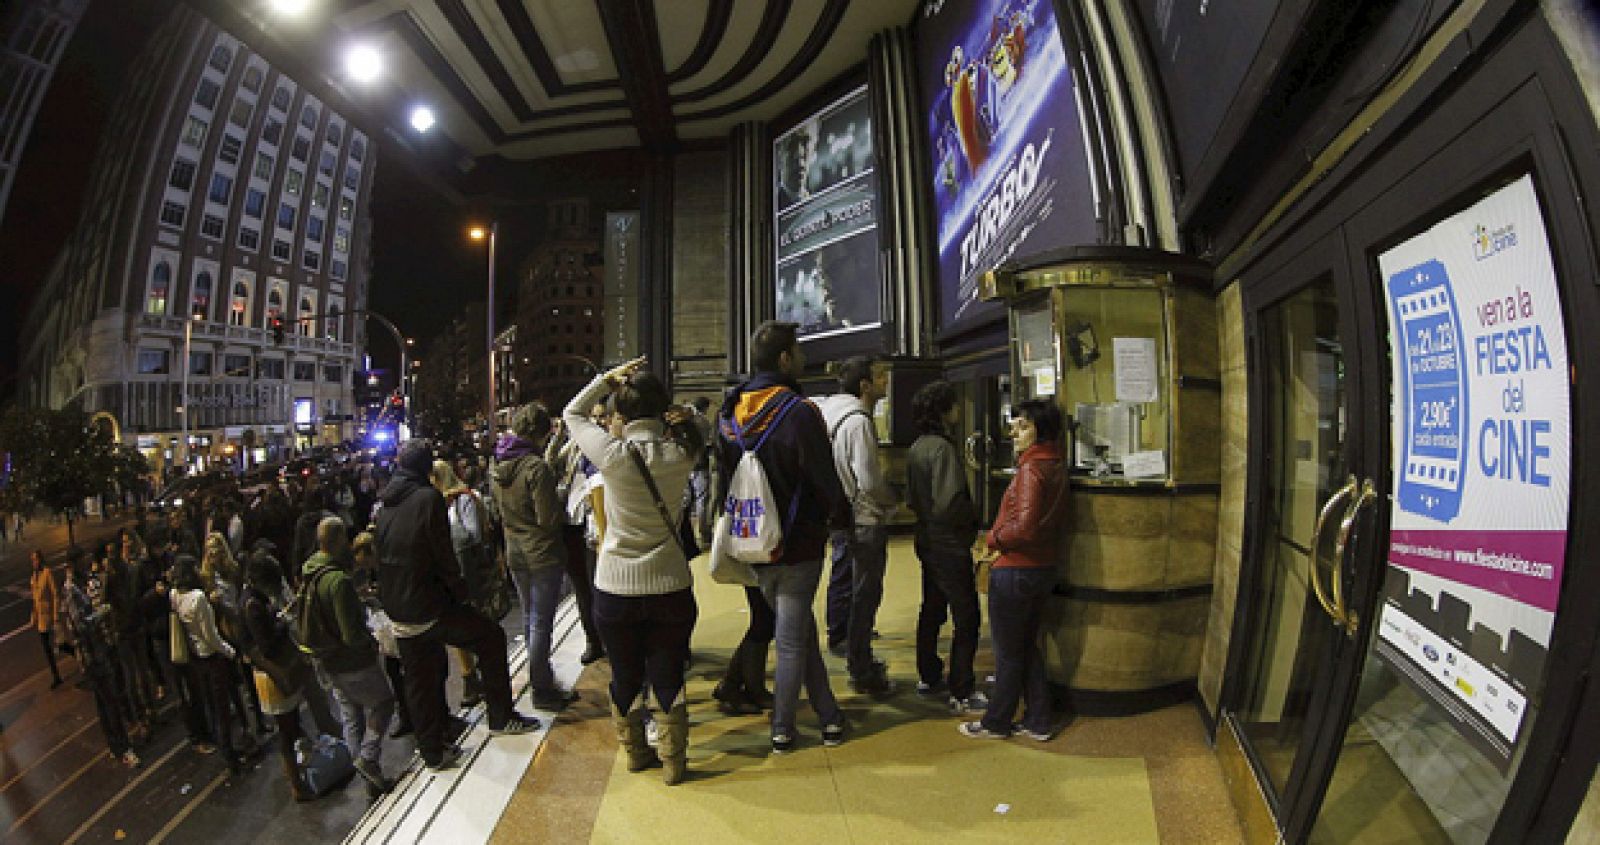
(1010, 172)
(1481, 446)
(825, 195)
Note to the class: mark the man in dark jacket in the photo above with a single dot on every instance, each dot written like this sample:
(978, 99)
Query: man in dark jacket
(798, 460)
(420, 586)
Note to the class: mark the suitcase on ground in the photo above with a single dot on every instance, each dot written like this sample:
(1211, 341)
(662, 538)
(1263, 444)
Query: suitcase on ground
(328, 766)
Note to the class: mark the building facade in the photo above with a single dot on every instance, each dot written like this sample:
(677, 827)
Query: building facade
(34, 34)
(226, 201)
(559, 314)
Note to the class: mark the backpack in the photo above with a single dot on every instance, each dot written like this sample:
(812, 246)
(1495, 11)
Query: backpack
(312, 629)
(754, 536)
(833, 438)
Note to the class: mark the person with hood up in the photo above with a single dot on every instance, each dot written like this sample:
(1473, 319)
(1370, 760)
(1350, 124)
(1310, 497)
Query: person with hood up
(420, 586)
(479, 569)
(536, 551)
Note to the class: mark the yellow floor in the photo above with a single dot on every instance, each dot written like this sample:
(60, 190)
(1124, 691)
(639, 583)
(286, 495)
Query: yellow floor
(904, 774)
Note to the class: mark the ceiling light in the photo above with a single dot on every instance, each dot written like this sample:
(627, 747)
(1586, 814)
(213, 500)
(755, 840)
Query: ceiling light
(422, 118)
(363, 63)
(290, 8)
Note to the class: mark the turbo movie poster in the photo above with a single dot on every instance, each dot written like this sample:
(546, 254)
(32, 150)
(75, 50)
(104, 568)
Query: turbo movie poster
(1010, 171)
(824, 199)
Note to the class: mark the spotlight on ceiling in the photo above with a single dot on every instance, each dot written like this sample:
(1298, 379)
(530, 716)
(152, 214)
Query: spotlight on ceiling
(422, 118)
(363, 63)
(290, 8)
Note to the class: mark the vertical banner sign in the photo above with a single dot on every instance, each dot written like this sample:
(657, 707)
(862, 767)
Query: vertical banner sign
(1010, 168)
(621, 329)
(1481, 442)
(825, 196)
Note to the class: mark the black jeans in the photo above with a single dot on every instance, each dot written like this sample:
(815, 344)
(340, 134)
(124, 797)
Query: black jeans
(1017, 599)
(869, 557)
(747, 668)
(840, 576)
(213, 676)
(50, 655)
(425, 664)
(947, 584)
(103, 684)
(647, 640)
(580, 571)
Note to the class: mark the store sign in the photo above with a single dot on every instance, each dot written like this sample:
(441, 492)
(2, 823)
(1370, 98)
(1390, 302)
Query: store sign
(621, 288)
(1011, 174)
(825, 195)
(1482, 451)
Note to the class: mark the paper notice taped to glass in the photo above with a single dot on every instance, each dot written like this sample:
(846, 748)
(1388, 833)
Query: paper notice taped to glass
(1135, 360)
(1152, 464)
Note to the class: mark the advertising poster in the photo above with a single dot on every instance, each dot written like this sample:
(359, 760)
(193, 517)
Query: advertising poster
(1481, 445)
(825, 195)
(1011, 173)
(621, 307)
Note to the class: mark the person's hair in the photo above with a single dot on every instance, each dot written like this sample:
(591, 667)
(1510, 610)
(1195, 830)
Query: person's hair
(771, 339)
(701, 404)
(855, 370)
(331, 535)
(315, 500)
(928, 407)
(444, 476)
(37, 558)
(642, 397)
(415, 455)
(531, 422)
(1046, 417)
(364, 544)
(265, 574)
(218, 559)
(185, 573)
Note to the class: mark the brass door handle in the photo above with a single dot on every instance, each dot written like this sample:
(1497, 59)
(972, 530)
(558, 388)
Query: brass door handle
(1314, 574)
(977, 441)
(1347, 617)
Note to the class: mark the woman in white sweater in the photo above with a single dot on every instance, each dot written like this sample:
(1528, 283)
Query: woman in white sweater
(643, 598)
(209, 653)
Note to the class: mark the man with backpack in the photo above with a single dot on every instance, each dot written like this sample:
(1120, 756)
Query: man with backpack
(332, 626)
(769, 417)
(855, 589)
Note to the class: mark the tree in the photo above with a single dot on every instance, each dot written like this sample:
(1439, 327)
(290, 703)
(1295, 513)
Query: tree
(58, 459)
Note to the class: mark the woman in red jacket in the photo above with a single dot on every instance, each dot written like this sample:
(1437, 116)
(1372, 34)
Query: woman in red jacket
(1026, 536)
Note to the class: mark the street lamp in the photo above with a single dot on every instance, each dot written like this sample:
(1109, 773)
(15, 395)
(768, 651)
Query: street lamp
(183, 409)
(479, 233)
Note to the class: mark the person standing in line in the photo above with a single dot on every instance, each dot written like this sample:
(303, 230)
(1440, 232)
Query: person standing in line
(700, 478)
(936, 490)
(567, 462)
(644, 598)
(479, 570)
(854, 436)
(798, 462)
(210, 656)
(364, 558)
(347, 652)
(281, 671)
(420, 586)
(46, 608)
(1026, 539)
(94, 655)
(536, 551)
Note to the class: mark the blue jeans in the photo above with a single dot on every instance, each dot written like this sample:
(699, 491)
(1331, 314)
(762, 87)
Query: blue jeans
(540, 592)
(1017, 599)
(947, 583)
(869, 553)
(366, 704)
(789, 589)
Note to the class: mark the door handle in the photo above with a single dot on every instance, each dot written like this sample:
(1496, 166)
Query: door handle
(978, 442)
(1328, 507)
(1347, 617)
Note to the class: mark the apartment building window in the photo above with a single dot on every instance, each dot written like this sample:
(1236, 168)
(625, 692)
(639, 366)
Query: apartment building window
(301, 149)
(335, 134)
(269, 368)
(281, 249)
(221, 188)
(358, 148)
(255, 202)
(249, 238)
(311, 260)
(182, 175)
(252, 79)
(200, 302)
(211, 226)
(272, 131)
(206, 94)
(332, 373)
(240, 116)
(280, 98)
(325, 164)
(263, 166)
(352, 178)
(194, 132)
(314, 228)
(160, 287)
(274, 304)
(221, 57)
(199, 363)
(154, 362)
(341, 240)
(308, 313)
(230, 149)
(305, 371)
(286, 214)
(308, 117)
(319, 197)
(336, 269)
(236, 366)
(335, 319)
(347, 208)
(172, 213)
(239, 308)
(292, 182)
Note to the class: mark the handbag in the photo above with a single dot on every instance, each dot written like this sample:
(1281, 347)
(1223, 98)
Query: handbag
(177, 640)
(725, 568)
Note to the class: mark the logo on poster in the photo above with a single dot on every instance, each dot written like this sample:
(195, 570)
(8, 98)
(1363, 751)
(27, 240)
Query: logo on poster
(1487, 243)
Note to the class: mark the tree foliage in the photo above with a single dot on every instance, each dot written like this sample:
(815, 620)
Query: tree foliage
(60, 458)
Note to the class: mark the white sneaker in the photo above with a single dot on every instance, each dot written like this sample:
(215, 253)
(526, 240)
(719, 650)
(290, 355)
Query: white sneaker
(652, 732)
(974, 703)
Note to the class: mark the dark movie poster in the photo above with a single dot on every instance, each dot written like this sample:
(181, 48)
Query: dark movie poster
(824, 200)
(1011, 175)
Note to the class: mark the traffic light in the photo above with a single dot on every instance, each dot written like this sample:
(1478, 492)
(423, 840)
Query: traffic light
(277, 330)
(397, 407)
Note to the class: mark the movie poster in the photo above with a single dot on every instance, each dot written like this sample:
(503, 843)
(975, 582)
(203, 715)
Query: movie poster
(1011, 174)
(1482, 456)
(825, 195)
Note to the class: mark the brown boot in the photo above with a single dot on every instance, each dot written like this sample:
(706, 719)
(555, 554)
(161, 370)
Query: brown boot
(674, 743)
(630, 736)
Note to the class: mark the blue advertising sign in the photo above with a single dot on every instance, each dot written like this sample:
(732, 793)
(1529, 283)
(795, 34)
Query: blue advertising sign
(1011, 173)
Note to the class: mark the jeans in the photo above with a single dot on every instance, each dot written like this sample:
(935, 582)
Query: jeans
(540, 592)
(947, 583)
(425, 664)
(365, 706)
(102, 683)
(789, 589)
(213, 675)
(646, 640)
(50, 655)
(869, 553)
(1017, 600)
(580, 572)
(839, 579)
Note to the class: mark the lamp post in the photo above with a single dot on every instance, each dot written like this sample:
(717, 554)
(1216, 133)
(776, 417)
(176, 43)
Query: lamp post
(183, 407)
(479, 233)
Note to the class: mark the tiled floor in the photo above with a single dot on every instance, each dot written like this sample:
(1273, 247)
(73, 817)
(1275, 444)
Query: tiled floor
(904, 775)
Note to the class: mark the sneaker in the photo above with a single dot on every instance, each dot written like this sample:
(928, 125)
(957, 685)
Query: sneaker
(839, 648)
(517, 724)
(400, 730)
(652, 731)
(874, 681)
(592, 653)
(204, 748)
(974, 703)
(833, 735)
(782, 743)
(554, 700)
(448, 759)
(933, 690)
(377, 784)
(130, 759)
(976, 730)
(1036, 736)
(454, 727)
